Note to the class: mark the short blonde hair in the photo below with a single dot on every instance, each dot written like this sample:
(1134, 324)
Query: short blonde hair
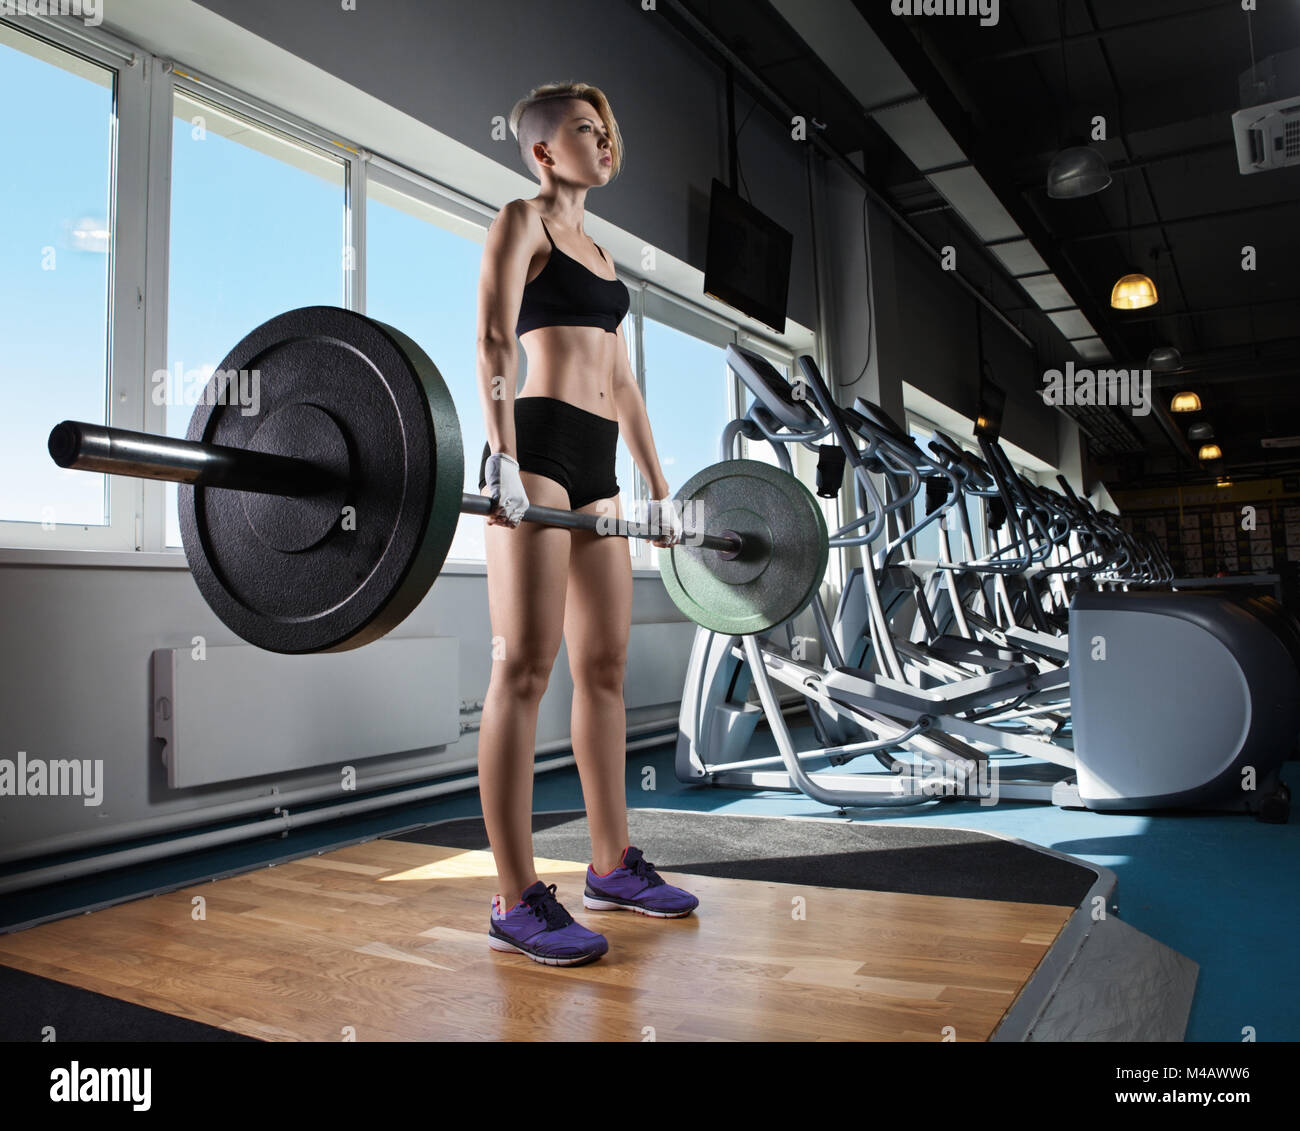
(536, 117)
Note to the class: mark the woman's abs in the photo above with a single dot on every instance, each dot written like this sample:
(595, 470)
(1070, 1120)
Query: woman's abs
(579, 371)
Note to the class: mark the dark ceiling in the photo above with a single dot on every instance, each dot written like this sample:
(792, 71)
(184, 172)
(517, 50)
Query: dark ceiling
(1165, 75)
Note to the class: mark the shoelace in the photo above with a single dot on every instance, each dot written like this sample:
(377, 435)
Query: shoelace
(546, 907)
(645, 870)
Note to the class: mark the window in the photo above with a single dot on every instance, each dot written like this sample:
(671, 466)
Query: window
(762, 450)
(257, 228)
(625, 469)
(927, 542)
(688, 401)
(56, 232)
(422, 270)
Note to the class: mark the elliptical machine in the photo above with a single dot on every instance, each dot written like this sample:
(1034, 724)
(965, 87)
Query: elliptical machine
(1219, 747)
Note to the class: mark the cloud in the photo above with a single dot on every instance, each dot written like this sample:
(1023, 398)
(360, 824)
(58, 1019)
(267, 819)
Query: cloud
(89, 233)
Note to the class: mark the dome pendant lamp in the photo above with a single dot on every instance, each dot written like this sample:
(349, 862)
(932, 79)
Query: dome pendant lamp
(1077, 170)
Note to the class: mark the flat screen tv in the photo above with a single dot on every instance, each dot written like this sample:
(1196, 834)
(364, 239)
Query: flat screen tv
(747, 263)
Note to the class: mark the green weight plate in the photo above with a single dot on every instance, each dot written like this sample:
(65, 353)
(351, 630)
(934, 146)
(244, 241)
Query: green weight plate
(784, 557)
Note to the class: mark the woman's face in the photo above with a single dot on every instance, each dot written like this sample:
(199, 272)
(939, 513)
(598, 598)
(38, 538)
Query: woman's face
(580, 147)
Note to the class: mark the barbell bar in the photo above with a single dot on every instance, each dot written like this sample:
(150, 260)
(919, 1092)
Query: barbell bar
(316, 517)
(82, 446)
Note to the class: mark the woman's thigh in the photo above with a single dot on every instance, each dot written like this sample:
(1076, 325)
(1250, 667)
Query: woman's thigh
(598, 604)
(526, 567)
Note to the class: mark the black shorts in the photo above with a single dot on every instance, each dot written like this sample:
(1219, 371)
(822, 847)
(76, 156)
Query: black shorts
(570, 445)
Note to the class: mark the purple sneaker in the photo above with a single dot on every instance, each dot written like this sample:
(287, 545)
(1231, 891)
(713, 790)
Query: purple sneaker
(635, 886)
(540, 927)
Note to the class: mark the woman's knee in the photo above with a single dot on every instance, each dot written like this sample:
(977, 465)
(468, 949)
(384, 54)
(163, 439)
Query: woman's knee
(523, 677)
(601, 671)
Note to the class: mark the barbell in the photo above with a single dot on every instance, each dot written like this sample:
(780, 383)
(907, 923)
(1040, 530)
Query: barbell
(317, 515)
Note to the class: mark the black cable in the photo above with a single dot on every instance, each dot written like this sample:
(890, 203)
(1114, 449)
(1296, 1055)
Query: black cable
(812, 228)
(871, 310)
(736, 142)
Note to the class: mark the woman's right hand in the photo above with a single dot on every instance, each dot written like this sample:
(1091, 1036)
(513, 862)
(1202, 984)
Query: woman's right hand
(509, 499)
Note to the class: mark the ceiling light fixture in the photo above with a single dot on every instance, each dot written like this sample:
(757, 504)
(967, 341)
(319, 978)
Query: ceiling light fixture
(1134, 291)
(1077, 170)
(1164, 359)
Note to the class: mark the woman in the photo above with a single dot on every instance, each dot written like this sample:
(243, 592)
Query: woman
(553, 444)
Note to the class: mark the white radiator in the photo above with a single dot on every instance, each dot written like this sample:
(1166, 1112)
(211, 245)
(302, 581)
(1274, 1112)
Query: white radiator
(242, 712)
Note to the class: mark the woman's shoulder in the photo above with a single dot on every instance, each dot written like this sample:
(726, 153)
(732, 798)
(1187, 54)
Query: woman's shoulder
(521, 220)
(520, 208)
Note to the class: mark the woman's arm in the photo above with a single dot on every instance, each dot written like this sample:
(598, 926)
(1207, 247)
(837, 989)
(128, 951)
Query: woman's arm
(634, 423)
(506, 254)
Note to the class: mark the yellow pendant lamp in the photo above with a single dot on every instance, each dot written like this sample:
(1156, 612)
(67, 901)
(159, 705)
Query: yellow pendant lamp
(1133, 292)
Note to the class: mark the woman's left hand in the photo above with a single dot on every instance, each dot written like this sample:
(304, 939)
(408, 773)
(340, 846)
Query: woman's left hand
(665, 518)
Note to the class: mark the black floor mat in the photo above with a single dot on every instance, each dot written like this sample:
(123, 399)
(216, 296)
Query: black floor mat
(880, 856)
(31, 1003)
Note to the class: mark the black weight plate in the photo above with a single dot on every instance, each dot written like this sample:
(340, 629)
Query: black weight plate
(783, 561)
(333, 571)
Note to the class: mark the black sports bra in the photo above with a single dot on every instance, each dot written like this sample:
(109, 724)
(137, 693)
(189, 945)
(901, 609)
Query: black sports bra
(565, 293)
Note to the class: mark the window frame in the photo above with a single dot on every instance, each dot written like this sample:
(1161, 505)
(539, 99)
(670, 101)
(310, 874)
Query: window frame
(170, 81)
(124, 329)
